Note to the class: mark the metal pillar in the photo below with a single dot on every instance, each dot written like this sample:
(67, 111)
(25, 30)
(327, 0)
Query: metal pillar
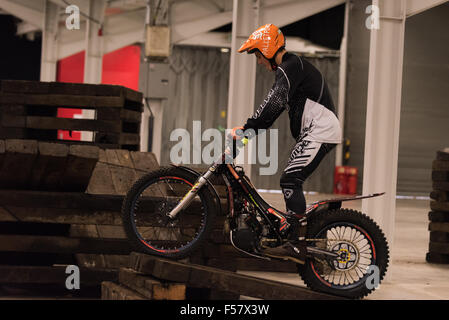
(242, 78)
(383, 114)
(49, 58)
(94, 42)
(93, 65)
(342, 84)
(156, 104)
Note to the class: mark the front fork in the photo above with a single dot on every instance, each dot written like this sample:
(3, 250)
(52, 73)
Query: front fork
(189, 196)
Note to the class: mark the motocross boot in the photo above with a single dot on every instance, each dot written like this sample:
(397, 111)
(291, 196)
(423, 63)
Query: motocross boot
(295, 248)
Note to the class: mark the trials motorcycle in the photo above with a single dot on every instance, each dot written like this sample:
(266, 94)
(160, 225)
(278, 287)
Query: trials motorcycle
(170, 212)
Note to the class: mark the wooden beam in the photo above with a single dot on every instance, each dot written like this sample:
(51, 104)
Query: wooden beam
(151, 288)
(114, 291)
(52, 275)
(52, 244)
(207, 277)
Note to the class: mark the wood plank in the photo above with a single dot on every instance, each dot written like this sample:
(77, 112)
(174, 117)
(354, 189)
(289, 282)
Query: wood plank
(434, 257)
(102, 208)
(129, 138)
(11, 121)
(114, 173)
(439, 226)
(119, 114)
(18, 163)
(60, 215)
(49, 166)
(132, 95)
(150, 287)
(436, 236)
(442, 196)
(123, 178)
(13, 110)
(101, 180)
(53, 244)
(439, 247)
(52, 123)
(440, 165)
(81, 162)
(443, 154)
(13, 133)
(61, 200)
(439, 216)
(86, 143)
(58, 100)
(145, 161)
(440, 175)
(439, 206)
(440, 185)
(2, 152)
(207, 277)
(50, 275)
(72, 200)
(114, 291)
(35, 87)
(23, 86)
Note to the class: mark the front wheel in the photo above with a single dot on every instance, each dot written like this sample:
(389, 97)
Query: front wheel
(145, 214)
(362, 249)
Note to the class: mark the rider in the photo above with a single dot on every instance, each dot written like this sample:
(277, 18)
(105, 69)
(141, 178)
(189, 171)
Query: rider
(301, 90)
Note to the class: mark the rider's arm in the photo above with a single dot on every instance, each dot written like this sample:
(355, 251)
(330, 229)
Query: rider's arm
(273, 105)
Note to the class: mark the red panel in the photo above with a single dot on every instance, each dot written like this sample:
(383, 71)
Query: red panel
(121, 67)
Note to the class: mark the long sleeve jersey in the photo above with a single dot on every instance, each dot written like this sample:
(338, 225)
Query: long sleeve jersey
(301, 89)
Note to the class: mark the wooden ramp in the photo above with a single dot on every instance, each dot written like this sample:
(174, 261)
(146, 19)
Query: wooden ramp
(175, 273)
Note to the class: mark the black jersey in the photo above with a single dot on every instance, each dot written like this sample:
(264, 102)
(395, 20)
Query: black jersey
(301, 89)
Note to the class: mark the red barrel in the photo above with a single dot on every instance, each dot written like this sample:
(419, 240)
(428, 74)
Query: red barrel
(345, 180)
(352, 180)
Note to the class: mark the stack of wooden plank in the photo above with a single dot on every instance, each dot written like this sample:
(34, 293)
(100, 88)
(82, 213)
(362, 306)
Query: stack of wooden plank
(114, 174)
(439, 216)
(37, 165)
(28, 110)
(147, 274)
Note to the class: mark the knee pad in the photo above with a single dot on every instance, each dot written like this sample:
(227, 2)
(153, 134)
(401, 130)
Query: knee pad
(293, 194)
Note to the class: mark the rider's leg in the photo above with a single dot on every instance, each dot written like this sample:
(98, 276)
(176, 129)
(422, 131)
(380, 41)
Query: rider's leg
(305, 158)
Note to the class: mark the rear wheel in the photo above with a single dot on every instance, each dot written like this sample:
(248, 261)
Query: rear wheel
(145, 214)
(362, 249)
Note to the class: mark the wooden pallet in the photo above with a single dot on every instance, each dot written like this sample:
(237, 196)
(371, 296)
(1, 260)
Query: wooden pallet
(28, 110)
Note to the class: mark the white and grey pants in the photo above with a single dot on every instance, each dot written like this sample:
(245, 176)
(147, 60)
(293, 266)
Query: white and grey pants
(304, 159)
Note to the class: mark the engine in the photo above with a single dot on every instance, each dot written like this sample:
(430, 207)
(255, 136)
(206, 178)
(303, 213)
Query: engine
(248, 229)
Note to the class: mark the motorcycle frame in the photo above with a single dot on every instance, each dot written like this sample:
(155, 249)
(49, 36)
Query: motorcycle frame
(233, 178)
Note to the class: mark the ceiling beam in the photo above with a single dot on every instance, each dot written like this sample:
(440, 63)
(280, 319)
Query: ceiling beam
(26, 27)
(223, 40)
(282, 14)
(27, 14)
(417, 6)
(189, 29)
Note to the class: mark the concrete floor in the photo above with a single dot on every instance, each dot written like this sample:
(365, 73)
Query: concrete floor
(410, 277)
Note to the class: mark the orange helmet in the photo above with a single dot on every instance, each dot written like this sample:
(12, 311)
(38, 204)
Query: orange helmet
(268, 39)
